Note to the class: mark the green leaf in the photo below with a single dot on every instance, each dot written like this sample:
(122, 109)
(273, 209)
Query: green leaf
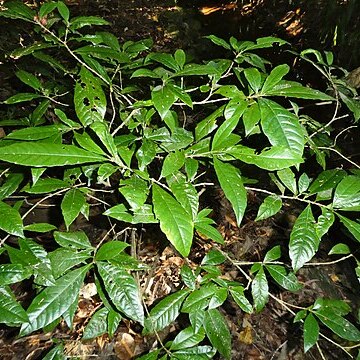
(287, 280)
(63, 260)
(173, 162)
(251, 118)
(347, 194)
(327, 180)
(12, 222)
(63, 11)
(218, 298)
(260, 290)
(72, 239)
(187, 338)
(273, 254)
(303, 183)
(199, 299)
(16, 10)
(196, 318)
(352, 226)
(97, 325)
(185, 193)
(311, 332)
(102, 131)
(165, 312)
(275, 158)
(57, 353)
(325, 221)
(12, 273)
(287, 177)
(270, 206)
(208, 125)
(122, 289)
(71, 205)
(47, 8)
(54, 300)
(217, 331)
(28, 79)
(188, 277)
(113, 321)
(11, 312)
(40, 227)
(163, 98)
(304, 240)
(89, 98)
(110, 250)
(226, 128)
(340, 249)
(254, 78)
(231, 182)
(339, 325)
(37, 133)
(195, 353)
(175, 222)
(46, 185)
(81, 21)
(296, 90)
(47, 154)
(237, 293)
(218, 41)
(203, 227)
(135, 190)
(164, 59)
(21, 97)
(10, 184)
(281, 127)
(181, 94)
(213, 257)
(274, 78)
(87, 143)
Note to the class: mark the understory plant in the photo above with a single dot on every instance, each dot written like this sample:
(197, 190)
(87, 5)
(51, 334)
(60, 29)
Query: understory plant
(113, 131)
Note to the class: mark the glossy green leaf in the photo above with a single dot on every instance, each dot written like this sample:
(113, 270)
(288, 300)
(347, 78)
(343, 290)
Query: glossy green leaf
(218, 41)
(89, 98)
(213, 257)
(347, 194)
(54, 300)
(63, 260)
(40, 227)
(21, 97)
(37, 133)
(287, 280)
(339, 325)
(11, 312)
(10, 184)
(275, 158)
(327, 180)
(81, 21)
(260, 290)
(251, 119)
(16, 10)
(304, 240)
(199, 299)
(47, 8)
(110, 250)
(218, 298)
(281, 127)
(12, 273)
(231, 182)
(165, 312)
(303, 183)
(57, 353)
(102, 131)
(311, 332)
(217, 331)
(196, 318)
(173, 162)
(325, 221)
(352, 226)
(228, 126)
(181, 94)
(135, 190)
(208, 125)
(203, 227)
(273, 254)
(113, 321)
(71, 205)
(87, 143)
(163, 98)
(188, 277)
(296, 90)
(46, 185)
(72, 239)
(287, 177)
(28, 79)
(254, 78)
(47, 154)
(187, 338)
(63, 10)
(175, 222)
(12, 222)
(340, 249)
(270, 206)
(274, 78)
(185, 193)
(237, 293)
(146, 153)
(119, 212)
(97, 325)
(122, 288)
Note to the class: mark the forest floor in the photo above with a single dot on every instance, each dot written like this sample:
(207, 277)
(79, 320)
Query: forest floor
(270, 334)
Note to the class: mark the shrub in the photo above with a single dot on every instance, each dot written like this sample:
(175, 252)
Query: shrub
(113, 124)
